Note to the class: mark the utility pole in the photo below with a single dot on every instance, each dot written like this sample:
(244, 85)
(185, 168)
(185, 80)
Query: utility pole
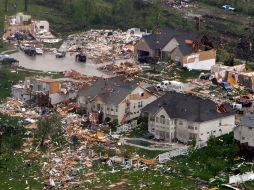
(25, 5)
(6, 5)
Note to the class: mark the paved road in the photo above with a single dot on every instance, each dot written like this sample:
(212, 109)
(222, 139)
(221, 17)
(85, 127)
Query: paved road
(48, 62)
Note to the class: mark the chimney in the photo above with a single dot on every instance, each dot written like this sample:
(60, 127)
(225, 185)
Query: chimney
(197, 23)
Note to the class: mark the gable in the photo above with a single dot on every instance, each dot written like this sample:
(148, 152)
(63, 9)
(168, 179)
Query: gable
(171, 45)
(142, 45)
(161, 112)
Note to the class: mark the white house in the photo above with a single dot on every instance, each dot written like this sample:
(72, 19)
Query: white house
(117, 98)
(183, 117)
(244, 133)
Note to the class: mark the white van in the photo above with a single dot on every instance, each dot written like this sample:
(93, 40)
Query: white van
(171, 86)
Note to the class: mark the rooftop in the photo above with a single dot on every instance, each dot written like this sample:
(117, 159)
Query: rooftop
(189, 107)
(159, 39)
(111, 91)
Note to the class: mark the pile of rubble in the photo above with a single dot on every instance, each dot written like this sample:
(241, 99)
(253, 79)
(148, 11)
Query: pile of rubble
(126, 68)
(78, 76)
(102, 45)
(17, 108)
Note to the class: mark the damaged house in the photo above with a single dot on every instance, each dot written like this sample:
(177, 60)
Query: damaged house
(44, 91)
(117, 98)
(183, 117)
(191, 50)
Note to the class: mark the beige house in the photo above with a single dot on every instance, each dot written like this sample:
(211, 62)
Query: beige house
(117, 98)
(182, 117)
(192, 50)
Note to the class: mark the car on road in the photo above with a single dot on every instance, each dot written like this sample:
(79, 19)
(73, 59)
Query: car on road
(9, 60)
(39, 51)
(60, 54)
(81, 57)
(23, 47)
(3, 56)
(30, 51)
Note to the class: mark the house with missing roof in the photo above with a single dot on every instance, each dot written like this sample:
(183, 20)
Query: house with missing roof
(192, 50)
(244, 133)
(115, 98)
(183, 117)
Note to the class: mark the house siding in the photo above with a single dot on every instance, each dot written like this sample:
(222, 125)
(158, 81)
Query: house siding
(177, 55)
(244, 135)
(184, 131)
(218, 127)
(202, 60)
(125, 111)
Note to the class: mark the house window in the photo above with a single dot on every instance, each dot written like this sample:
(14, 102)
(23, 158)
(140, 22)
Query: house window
(196, 128)
(134, 105)
(151, 118)
(168, 121)
(116, 109)
(107, 108)
(208, 133)
(140, 104)
(180, 123)
(162, 119)
(157, 119)
(152, 130)
(220, 130)
(112, 108)
(243, 138)
(250, 128)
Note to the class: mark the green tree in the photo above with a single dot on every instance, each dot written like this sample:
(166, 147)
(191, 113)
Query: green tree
(11, 137)
(50, 128)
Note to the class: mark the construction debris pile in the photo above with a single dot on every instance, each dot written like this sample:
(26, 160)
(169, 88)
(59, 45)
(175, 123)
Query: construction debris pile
(126, 68)
(78, 76)
(17, 108)
(102, 45)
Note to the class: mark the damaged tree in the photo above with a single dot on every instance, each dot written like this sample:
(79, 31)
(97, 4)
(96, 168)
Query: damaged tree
(49, 131)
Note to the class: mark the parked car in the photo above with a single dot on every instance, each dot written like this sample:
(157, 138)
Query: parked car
(23, 47)
(39, 51)
(30, 51)
(60, 54)
(81, 57)
(3, 56)
(226, 86)
(9, 60)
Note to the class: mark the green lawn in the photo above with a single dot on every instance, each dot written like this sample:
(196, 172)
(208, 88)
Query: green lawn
(18, 175)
